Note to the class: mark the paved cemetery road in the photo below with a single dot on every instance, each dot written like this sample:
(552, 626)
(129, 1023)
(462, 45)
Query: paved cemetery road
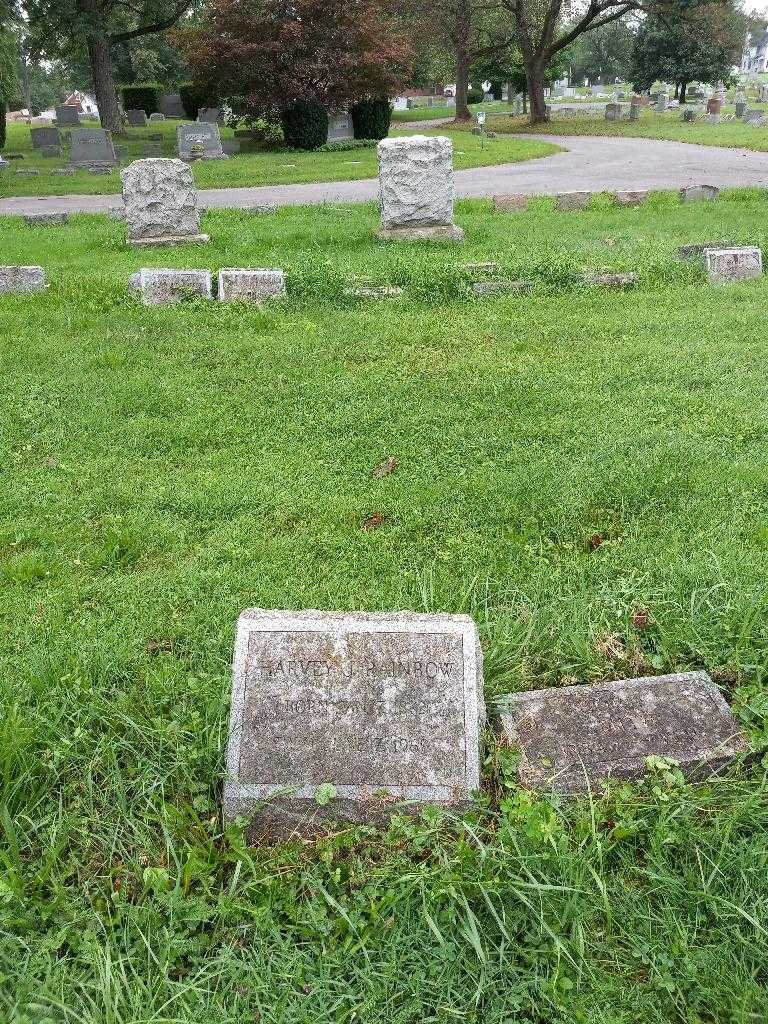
(589, 164)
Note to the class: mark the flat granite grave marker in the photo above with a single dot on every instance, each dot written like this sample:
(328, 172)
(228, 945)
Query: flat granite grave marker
(510, 204)
(572, 200)
(416, 189)
(161, 203)
(201, 136)
(67, 117)
(92, 147)
(45, 137)
(247, 285)
(375, 710)
(699, 193)
(630, 198)
(572, 738)
(165, 285)
(46, 220)
(14, 280)
(740, 263)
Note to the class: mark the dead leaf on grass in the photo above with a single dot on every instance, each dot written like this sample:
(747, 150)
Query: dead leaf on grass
(372, 522)
(385, 468)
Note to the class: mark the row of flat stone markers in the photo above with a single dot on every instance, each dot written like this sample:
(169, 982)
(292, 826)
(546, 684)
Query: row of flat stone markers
(341, 716)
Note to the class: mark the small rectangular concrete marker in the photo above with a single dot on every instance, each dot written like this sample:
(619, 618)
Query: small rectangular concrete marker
(630, 198)
(161, 285)
(416, 189)
(572, 200)
(510, 204)
(245, 285)
(341, 716)
(740, 263)
(697, 193)
(14, 280)
(572, 738)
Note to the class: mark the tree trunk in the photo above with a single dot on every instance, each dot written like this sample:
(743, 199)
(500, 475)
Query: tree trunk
(461, 30)
(534, 73)
(510, 94)
(100, 59)
(677, 90)
(683, 91)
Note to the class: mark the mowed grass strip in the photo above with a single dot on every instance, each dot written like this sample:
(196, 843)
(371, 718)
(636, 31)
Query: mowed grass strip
(564, 456)
(251, 167)
(668, 126)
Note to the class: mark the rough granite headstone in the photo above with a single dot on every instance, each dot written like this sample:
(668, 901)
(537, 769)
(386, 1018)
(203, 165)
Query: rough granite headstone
(246, 285)
(137, 118)
(350, 716)
(14, 280)
(45, 137)
(697, 193)
(161, 285)
(572, 738)
(157, 116)
(613, 112)
(572, 200)
(416, 189)
(202, 136)
(161, 203)
(209, 115)
(92, 147)
(67, 117)
(740, 263)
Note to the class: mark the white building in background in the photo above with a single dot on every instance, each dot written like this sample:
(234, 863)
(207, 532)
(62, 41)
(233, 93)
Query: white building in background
(754, 59)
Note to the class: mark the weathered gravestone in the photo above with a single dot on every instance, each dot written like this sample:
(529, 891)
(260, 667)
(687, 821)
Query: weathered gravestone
(416, 189)
(21, 279)
(170, 104)
(699, 193)
(246, 285)
(200, 140)
(157, 116)
(613, 112)
(368, 709)
(161, 286)
(45, 137)
(340, 127)
(510, 204)
(572, 738)
(161, 203)
(92, 147)
(45, 220)
(737, 264)
(67, 117)
(754, 117)
(634, 110)
(572, 200)
(209, 115)
(137, 118)
(630, 198)
(689, 115)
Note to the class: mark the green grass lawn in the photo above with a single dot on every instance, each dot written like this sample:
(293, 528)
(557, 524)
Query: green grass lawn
(244, 169)
(165, 468)
(731, 134)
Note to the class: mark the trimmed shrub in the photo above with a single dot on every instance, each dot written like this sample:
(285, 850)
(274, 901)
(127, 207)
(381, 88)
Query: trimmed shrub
(347, 145)
(142, 97)
(475, 94)
(192, 99)
(371, 119)
(305, 125)
(2, 123)
(497, 89)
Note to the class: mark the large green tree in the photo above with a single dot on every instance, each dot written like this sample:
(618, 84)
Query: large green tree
(686, 42)
(604, 54)
(61, 28)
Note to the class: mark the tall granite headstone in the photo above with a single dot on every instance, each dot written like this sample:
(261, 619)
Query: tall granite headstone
(170, 104)
(92, 147)
(340, 127)
(137, 118)
(160, 203)
(416, 189)
(351, 716)
(45, 137)
(200, 140)
(67, 117)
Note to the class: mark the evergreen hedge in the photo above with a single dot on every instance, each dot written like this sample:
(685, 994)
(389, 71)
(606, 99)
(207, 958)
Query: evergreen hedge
(144, 97)
(372, 118)
(305, 125)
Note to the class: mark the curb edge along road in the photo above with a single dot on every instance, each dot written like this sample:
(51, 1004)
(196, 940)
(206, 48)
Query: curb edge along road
(588, 163)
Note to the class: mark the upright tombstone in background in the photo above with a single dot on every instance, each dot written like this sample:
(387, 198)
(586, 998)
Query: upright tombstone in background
(160, 203)
(67, 117)
(92, 147)
(416, 189)
(738, 263)
(340, 716)
(170, 105)
(340, 128)
(209, 115)
(136, 118)
(613, 112)
(200, 140)
(45, 137)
